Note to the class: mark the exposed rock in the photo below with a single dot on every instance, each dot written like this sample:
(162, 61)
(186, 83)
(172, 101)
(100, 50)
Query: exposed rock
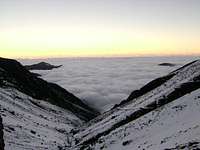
(13, 74)
(1, 135)
(36, 74)
(126, 142)
(41, 66)
(193, 145)
(167, 64)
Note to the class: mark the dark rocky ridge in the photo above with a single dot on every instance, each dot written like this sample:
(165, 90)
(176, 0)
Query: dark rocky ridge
(148, 87)
(1, 135)
(13, 74)
(41, 66)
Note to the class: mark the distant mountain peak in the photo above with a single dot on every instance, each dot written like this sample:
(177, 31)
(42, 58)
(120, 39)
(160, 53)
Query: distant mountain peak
(41, 66)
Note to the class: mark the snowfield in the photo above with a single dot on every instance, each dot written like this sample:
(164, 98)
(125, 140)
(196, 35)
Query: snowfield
(31, 124)
(172, 126)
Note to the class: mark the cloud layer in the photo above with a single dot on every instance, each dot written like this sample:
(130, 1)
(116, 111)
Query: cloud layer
(103, 82)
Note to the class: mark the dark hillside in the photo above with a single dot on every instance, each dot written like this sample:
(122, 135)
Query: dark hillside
(13, 74)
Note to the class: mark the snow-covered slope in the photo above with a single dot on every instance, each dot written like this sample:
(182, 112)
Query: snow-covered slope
(37, 114)
(110, 129)
(164, 114)
(174, 125)
(34, 124)
(13, 74)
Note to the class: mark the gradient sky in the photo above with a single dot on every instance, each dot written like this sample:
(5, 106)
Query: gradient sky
(71, 28)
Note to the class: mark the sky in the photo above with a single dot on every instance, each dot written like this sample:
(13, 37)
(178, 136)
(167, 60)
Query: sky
(84, 28)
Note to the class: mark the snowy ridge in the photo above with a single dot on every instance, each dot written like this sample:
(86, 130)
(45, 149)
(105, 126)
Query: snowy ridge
(171, 126)
(34, 124)
(92, 132)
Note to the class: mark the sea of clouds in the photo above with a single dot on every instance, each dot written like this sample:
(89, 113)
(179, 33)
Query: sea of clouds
(103, 82)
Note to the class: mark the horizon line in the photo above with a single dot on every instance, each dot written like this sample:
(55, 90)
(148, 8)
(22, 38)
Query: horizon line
(108, 56)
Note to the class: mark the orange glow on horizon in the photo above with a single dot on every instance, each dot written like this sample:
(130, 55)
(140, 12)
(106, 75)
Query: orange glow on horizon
(54, 42)
(43, 29)
(57, 54)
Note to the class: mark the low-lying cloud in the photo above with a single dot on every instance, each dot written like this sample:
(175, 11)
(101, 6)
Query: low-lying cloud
(103, 82)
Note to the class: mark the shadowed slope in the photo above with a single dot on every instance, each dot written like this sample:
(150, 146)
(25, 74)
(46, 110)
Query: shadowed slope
(13, 74)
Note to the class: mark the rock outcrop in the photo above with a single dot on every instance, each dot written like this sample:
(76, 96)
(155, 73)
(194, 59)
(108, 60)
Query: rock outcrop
(1, 135)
